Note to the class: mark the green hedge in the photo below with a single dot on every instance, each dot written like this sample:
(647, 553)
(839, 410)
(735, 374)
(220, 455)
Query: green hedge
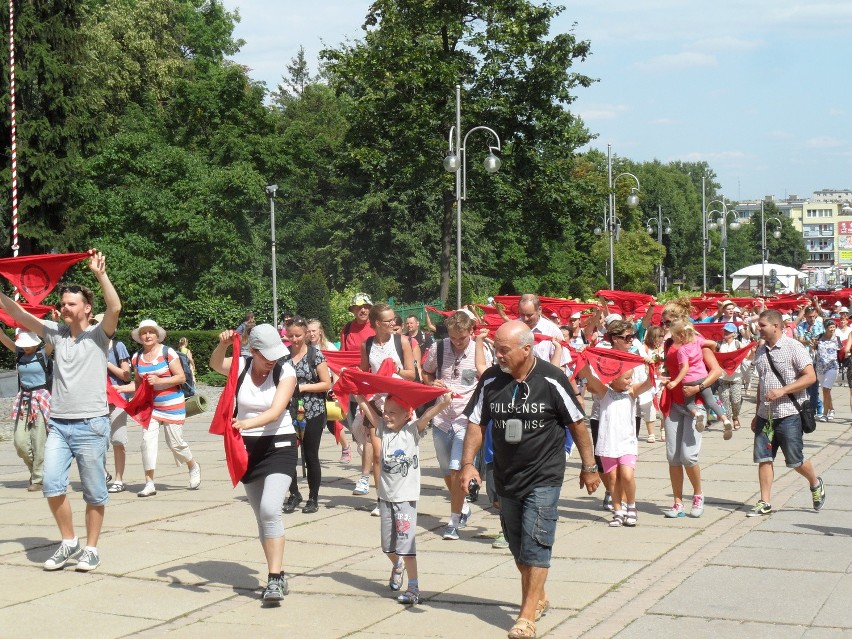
(201, 343)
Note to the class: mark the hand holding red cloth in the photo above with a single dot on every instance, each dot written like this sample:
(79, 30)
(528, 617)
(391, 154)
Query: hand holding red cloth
(410, 394)
(38, 310)
(731, 360)
(236, 455)
(338, 360)
(140, 406)
(608, 363)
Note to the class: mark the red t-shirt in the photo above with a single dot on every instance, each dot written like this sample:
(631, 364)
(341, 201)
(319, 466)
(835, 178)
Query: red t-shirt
(350, 340)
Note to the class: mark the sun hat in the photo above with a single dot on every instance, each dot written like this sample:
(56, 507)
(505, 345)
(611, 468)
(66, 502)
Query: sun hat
(148, 323)
(360, 299)
(266, 340)
(611, 318)
(730, 327)
(575, 315)
(843, 309)
(26, 339)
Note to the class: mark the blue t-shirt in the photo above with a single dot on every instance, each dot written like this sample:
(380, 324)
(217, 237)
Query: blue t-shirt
(30, 370)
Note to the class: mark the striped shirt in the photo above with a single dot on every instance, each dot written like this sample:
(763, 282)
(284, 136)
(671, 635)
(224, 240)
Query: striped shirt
(790, 358)
(169, 403)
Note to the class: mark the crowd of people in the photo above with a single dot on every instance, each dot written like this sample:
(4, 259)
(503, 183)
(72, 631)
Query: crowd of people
(519, 389)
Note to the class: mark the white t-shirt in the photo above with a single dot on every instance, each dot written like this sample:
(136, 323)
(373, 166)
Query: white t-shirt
(617, 430)
(544, 349)
(252, 400)
(399, 479)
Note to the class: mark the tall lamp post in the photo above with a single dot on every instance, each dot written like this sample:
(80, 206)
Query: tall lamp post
(722, 224)
(764, 253)
(270, 193)
(456, 162)
(612, 223)
(659, 220)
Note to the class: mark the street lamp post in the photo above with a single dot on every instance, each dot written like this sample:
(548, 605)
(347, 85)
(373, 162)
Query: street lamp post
(723, 225)
(456, 162)
(704, 239)
(764, 256)
(632, 201)
(270, 193)
(660, 231)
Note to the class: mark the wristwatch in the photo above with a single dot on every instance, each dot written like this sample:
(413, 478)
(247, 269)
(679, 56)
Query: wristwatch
(590, 469)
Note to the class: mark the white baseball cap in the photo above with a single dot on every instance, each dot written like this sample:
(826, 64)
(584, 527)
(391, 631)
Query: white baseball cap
(266, 340)
(611, 318)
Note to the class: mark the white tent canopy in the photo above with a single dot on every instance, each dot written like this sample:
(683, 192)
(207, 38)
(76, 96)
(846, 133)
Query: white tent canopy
(749, 278)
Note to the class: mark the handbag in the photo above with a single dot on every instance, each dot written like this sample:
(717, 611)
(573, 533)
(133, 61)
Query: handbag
(806, 415)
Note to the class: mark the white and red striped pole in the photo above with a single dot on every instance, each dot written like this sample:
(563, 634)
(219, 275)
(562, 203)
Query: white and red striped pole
(15, 245)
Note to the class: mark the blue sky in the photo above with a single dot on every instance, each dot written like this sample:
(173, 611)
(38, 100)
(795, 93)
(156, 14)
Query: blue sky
(759, 89)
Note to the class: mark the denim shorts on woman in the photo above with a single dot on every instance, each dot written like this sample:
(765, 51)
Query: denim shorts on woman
(529, 525)
(787, 437)
(84, 440)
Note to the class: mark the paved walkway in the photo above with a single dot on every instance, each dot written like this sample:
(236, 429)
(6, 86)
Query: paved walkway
(187, 563)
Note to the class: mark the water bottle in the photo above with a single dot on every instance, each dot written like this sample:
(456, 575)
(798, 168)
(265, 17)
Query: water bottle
(300, 420)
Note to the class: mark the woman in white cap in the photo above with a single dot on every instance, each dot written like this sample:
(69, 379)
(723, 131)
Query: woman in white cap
(31, 408)
(160, 367)
(263, 395)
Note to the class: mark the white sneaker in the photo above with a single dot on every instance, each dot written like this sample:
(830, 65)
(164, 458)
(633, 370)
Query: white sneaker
(195, 476)
(149, 491)
(362, 486)
(830, 415)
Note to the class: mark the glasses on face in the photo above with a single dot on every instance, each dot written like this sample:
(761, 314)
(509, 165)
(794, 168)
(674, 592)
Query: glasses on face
(667, 322)
(627, 338)
(388, 322)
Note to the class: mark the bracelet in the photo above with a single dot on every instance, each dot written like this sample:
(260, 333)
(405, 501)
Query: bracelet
(467, 464)
(700, 387)
(590, 469)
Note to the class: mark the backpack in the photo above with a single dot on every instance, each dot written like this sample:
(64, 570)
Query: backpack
(440, 355)
(46, 365)
(397, 342)
(276, 377)
(188, 387)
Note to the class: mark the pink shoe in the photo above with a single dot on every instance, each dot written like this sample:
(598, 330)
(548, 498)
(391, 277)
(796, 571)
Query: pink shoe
(346, 455)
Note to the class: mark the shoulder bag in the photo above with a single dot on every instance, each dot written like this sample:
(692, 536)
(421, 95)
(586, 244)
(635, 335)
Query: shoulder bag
(806, 414)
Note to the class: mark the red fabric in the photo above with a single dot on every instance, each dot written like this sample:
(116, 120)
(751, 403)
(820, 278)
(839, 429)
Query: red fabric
(562, 308)
(786, 304)
(140, 406)
(713, 330)
(236, 455)
(33, 309)
(410, 394)
(36, 275)
(509, 302)
(624, 301)
(730, 361)
(656, 316)
(702, 303)
(608, 363)
(674, 395)
(338, 428)
(338, 360)
(432, 309)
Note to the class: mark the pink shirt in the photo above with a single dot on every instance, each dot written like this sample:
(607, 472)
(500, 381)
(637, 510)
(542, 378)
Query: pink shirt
(690, 354)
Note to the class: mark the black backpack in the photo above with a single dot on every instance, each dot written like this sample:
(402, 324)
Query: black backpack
(276, 377)
(46, 365)
(188, 387)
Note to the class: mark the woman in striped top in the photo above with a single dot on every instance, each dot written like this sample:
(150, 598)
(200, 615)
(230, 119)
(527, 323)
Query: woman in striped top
(160, 366)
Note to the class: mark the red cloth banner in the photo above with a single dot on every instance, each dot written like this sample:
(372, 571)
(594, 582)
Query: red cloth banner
(731, 361)
(36, 275)
(38, 310)
(236, 456)
(626, 302)
(608, 363)
(713, 330)
(411, 394)
(139, 407)
(338, 360)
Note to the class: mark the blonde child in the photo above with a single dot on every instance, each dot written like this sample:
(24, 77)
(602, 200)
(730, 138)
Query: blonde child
(693, 372)
(618, 445)
(395, 437)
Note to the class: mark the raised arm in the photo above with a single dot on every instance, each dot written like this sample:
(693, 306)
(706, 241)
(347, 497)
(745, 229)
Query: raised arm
(97, 264)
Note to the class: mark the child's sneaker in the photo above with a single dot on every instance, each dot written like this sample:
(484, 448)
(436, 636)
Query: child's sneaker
(700, 419)
(362, 486)
(675, 511)
(697, 506)
(346, 455)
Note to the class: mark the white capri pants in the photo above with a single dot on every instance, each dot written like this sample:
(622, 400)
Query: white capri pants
(174, 440)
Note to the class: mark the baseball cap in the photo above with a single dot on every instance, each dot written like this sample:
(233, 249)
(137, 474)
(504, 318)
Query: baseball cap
(830, 322)
(730, 327)
(361, 299)
(576, 315)
(266, 340)
(838, 304)
(786, 317)
(611, 318)
(843, 309)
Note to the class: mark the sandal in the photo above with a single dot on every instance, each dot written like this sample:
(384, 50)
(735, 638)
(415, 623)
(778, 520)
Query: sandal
(736, 424)
(541, 608)
(397, 572)
(523, 629)
(617, 520)
(409, 597)
(631, 518)
(117, 487)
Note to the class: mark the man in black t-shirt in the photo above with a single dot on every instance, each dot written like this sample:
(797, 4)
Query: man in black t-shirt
(531, 403)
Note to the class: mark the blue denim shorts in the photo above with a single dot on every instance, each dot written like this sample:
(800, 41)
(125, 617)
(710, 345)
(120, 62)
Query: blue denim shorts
(448, 448)
(787, 437)
(84, 440)
(529, 525)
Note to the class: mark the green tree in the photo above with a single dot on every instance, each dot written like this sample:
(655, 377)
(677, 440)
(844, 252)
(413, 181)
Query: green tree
(313, 298)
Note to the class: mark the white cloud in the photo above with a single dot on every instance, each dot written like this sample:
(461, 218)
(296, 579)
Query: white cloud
(823, 142)
(603, 111)
(724, 44)
(835, 112)
(677, 62)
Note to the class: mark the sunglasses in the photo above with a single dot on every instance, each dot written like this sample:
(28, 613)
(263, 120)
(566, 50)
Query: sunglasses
(667, 323)
(74, 288)
(456, 365)
(627, 338)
